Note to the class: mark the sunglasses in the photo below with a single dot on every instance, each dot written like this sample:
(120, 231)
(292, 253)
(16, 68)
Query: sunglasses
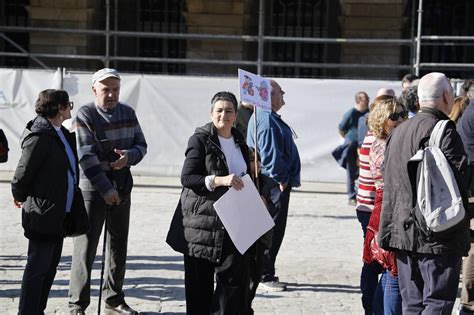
(397, 115)
(71, 104)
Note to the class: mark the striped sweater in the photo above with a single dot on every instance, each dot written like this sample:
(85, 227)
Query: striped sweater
(366, 188)
(123, 131)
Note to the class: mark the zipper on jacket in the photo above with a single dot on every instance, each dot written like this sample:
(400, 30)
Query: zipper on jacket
(197, 204)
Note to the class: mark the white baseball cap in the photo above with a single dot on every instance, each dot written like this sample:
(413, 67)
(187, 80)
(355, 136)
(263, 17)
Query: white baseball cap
(103, 74)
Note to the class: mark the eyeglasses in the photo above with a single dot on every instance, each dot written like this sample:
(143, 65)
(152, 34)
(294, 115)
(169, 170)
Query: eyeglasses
(71, 105)
(397, 115)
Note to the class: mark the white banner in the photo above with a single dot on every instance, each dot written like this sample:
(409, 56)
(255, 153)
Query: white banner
(169, 109)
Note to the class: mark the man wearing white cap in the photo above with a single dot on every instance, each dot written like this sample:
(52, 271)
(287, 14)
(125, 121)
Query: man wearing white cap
(109, 140)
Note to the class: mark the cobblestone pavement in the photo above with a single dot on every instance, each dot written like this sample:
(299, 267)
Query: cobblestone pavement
(320, 258)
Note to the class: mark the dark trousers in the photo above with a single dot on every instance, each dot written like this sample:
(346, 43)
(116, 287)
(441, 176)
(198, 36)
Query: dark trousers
(255, 271)
(428, 283)
(85, 248)
(280, 217)
(231, 293)
(38, 277)
(467, 293)
(352, 170)
(369, 276)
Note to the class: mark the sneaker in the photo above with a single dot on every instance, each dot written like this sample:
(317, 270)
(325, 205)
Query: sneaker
(272, 284)
(352, 202)
(76, 311)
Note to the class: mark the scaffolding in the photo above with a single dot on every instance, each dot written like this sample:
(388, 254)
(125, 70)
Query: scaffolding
(415, 44)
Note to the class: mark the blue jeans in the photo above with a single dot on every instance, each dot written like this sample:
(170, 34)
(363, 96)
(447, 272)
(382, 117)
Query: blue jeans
(352, 170)
(369, 276)
(387, 298)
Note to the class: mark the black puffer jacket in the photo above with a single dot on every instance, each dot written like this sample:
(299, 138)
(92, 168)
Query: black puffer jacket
(196, 230)
(395, 231)
(40, 179)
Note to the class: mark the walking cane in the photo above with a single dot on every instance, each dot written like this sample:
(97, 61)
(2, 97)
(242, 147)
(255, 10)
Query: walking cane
(108, 208)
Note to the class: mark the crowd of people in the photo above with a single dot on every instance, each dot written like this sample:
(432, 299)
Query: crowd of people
(408, 268)
(78, 182)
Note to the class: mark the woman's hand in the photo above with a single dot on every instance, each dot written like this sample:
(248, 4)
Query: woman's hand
(231, 180)
(17, 204)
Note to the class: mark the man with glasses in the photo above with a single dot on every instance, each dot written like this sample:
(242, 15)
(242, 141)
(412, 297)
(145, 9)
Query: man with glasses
(280, 161)
(109, 140)
(428, 264)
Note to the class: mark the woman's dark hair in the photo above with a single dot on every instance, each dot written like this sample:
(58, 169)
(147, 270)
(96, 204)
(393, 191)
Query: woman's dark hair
(48, 102)
(409, 99)
(224, 96)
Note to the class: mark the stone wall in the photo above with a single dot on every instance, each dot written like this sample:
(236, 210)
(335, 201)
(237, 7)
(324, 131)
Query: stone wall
(74, 14)
(216, 17)
(371, 19)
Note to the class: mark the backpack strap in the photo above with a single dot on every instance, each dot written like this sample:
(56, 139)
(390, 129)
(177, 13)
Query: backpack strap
(437, 133)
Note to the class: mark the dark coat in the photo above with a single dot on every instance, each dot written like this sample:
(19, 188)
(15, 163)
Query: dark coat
(398, 199)
(196, 230)
(40, 179)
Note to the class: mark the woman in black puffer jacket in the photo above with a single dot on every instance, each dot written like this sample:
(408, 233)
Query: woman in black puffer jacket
(43, 186)
(216, 157)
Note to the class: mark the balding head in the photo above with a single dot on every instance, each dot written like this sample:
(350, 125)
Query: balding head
(385, 91)
(435, 91)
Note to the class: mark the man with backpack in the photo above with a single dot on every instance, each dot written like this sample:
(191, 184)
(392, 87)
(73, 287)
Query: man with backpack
(429, 261)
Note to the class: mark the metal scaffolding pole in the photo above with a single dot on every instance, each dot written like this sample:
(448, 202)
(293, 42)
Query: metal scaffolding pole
(418, 38)
(261, 24)
(107, 34)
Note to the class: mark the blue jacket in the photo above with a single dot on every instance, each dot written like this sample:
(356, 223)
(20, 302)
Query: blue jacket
(278, 152)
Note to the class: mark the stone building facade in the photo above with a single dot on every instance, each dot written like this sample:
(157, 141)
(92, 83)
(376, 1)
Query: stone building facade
(388, 19)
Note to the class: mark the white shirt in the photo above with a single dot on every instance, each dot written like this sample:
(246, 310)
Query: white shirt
(234, 158)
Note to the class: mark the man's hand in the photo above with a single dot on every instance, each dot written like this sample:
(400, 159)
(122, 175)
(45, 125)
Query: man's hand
(17, 204)
(231, 180)
(283, 186)
(112, 198)
(121, 161)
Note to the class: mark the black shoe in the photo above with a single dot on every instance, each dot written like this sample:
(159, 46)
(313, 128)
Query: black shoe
(120, 309)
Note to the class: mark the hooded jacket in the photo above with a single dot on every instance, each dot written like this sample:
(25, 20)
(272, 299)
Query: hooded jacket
(40, 179)
(196, 230)
(395, 230)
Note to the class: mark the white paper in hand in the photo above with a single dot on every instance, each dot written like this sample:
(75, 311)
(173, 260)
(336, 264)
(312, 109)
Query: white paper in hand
(244, 215)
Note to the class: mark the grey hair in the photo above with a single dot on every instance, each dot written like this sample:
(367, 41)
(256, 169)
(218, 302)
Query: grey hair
(432, 86)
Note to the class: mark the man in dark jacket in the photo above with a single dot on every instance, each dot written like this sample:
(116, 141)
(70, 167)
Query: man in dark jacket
(465, 128)
(428, 265)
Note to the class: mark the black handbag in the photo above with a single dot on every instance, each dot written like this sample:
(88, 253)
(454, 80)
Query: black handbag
(76, 221)
(3, 147)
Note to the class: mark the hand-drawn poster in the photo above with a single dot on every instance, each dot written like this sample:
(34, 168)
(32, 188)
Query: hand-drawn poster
(255, 90)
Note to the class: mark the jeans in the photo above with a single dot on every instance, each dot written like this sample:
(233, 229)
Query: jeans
(387, 298)
(369, 276)
(352, 171)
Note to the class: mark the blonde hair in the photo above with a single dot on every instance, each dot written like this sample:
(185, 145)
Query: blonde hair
(460, 104)
(381, 111)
